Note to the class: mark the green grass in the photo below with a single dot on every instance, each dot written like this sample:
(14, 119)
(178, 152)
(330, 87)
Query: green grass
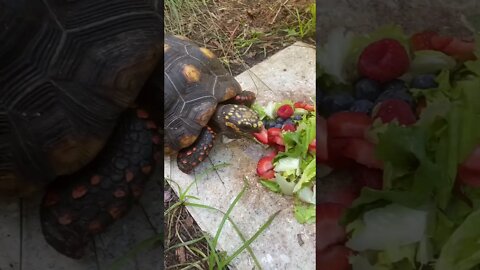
(305, 23)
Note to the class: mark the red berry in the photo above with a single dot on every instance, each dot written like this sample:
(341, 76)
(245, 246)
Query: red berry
(331, 232)
(285, 111)
(262, 136)
(422, 40)
(363, 152)
(348, 125)
(265, 167)
(383, 60)
(395, 109)
(334, 258)
(289, 127)
(312, 147)
(274, 136)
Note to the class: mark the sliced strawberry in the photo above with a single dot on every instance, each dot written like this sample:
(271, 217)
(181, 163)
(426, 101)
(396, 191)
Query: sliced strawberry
(262, 136)
(334, 258)
(331, 232)
(322, 153)
(367, 177)
(273, 133)
(469, 177)
(312, 147)
(460, 49)
(473, 160)
(338, 188)
(299, 104)
(278, 140)
(363, 152)
(422, 40)
(280, 148)
(348, 125)
(265, 167)
(336, 159)
(289, 127)
(309, 107)
(394, 109)
(383, 60)
(285, 111)
(440, 42)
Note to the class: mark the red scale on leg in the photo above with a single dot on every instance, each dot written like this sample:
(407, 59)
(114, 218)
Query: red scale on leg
(129, 176)
(95, 180)
(79, 191)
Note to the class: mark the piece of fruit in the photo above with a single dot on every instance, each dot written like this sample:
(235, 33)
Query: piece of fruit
(322, 153)
(425, 81)
(312, 147)
(265, 167)
(422, 40)
(473, 160)
(394, 109)
(262, 136)
(289, 127)
(395, 85)
(363, 106)
(272, 133)
(396, 94)
(309, 107)
(336, 103)
(336, 159)
(348, 124)
(333, 258)
(460, 49)
(285, 111)
(469, 177)
(339, 188)
(331, 232)
(363, 152)
(367, 177)
(383, 60)
(280, 148)
(368, 89)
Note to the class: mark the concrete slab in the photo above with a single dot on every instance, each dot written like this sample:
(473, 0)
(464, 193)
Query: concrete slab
(288, 74)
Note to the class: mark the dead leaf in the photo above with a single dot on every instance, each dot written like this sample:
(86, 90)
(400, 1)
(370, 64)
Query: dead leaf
(180, 252)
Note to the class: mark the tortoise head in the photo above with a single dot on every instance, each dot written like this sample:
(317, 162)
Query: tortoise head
(236, 121)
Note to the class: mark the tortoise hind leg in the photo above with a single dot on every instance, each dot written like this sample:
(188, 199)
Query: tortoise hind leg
(188, 158)
(78, 206)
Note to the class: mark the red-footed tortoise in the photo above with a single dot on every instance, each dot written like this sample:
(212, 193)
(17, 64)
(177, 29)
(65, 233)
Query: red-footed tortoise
(201, 99)
(80, 93)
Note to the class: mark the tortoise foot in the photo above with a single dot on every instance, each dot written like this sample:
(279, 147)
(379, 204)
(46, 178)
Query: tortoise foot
(246, 98)
(84, 204)
(190, 157)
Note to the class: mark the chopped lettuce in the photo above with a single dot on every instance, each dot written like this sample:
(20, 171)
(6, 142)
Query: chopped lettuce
(304, 213)
(431, 62)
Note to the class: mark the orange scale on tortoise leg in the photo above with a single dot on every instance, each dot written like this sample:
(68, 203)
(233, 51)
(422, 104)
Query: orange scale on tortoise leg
(79, 191)
(129, 176)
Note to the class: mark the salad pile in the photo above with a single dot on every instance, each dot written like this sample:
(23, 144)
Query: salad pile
(290, 166)
(399, 147)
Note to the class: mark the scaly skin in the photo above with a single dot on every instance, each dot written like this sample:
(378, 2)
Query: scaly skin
(81, 205)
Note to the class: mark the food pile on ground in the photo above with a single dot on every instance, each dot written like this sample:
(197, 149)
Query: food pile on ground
(290, 166)
(399, 147)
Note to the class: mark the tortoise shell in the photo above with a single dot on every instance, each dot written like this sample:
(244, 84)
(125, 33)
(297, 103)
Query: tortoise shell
(195, 82)
(68, 69)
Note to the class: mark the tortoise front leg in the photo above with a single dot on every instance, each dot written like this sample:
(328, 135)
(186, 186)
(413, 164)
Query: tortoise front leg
(246, 98)
(81, 205)
(190, 157)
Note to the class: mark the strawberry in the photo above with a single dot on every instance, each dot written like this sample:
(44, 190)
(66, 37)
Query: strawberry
(460, 49)
(334, 258)
(348, 124)
(265, 167)
(422, 40)
(322, 139)
(440, 42)
(331, 232)
(312, 147)
(469, 177)
(285, 111)
(289, 127)
(299, 104)
(363, 152)
(383, 60)
(395, 109)
(336, 160)
(275, 136)
(280, 148)
(366, 177)
(473, 160)
(339, 189)
(309, 107)
(262, 136)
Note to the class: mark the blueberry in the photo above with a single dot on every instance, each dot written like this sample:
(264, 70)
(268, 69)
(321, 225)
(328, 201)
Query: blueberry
(271, 123)
(396, 94)
(297, 117)
(278, 125)
(337, 103)
(424, 81)
(288, 121)
(279, 120)
(362, 105)
(395, 85)
(367, 89)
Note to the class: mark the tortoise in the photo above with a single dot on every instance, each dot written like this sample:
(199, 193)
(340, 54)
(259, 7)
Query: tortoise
(80, 108)
(201, 99)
